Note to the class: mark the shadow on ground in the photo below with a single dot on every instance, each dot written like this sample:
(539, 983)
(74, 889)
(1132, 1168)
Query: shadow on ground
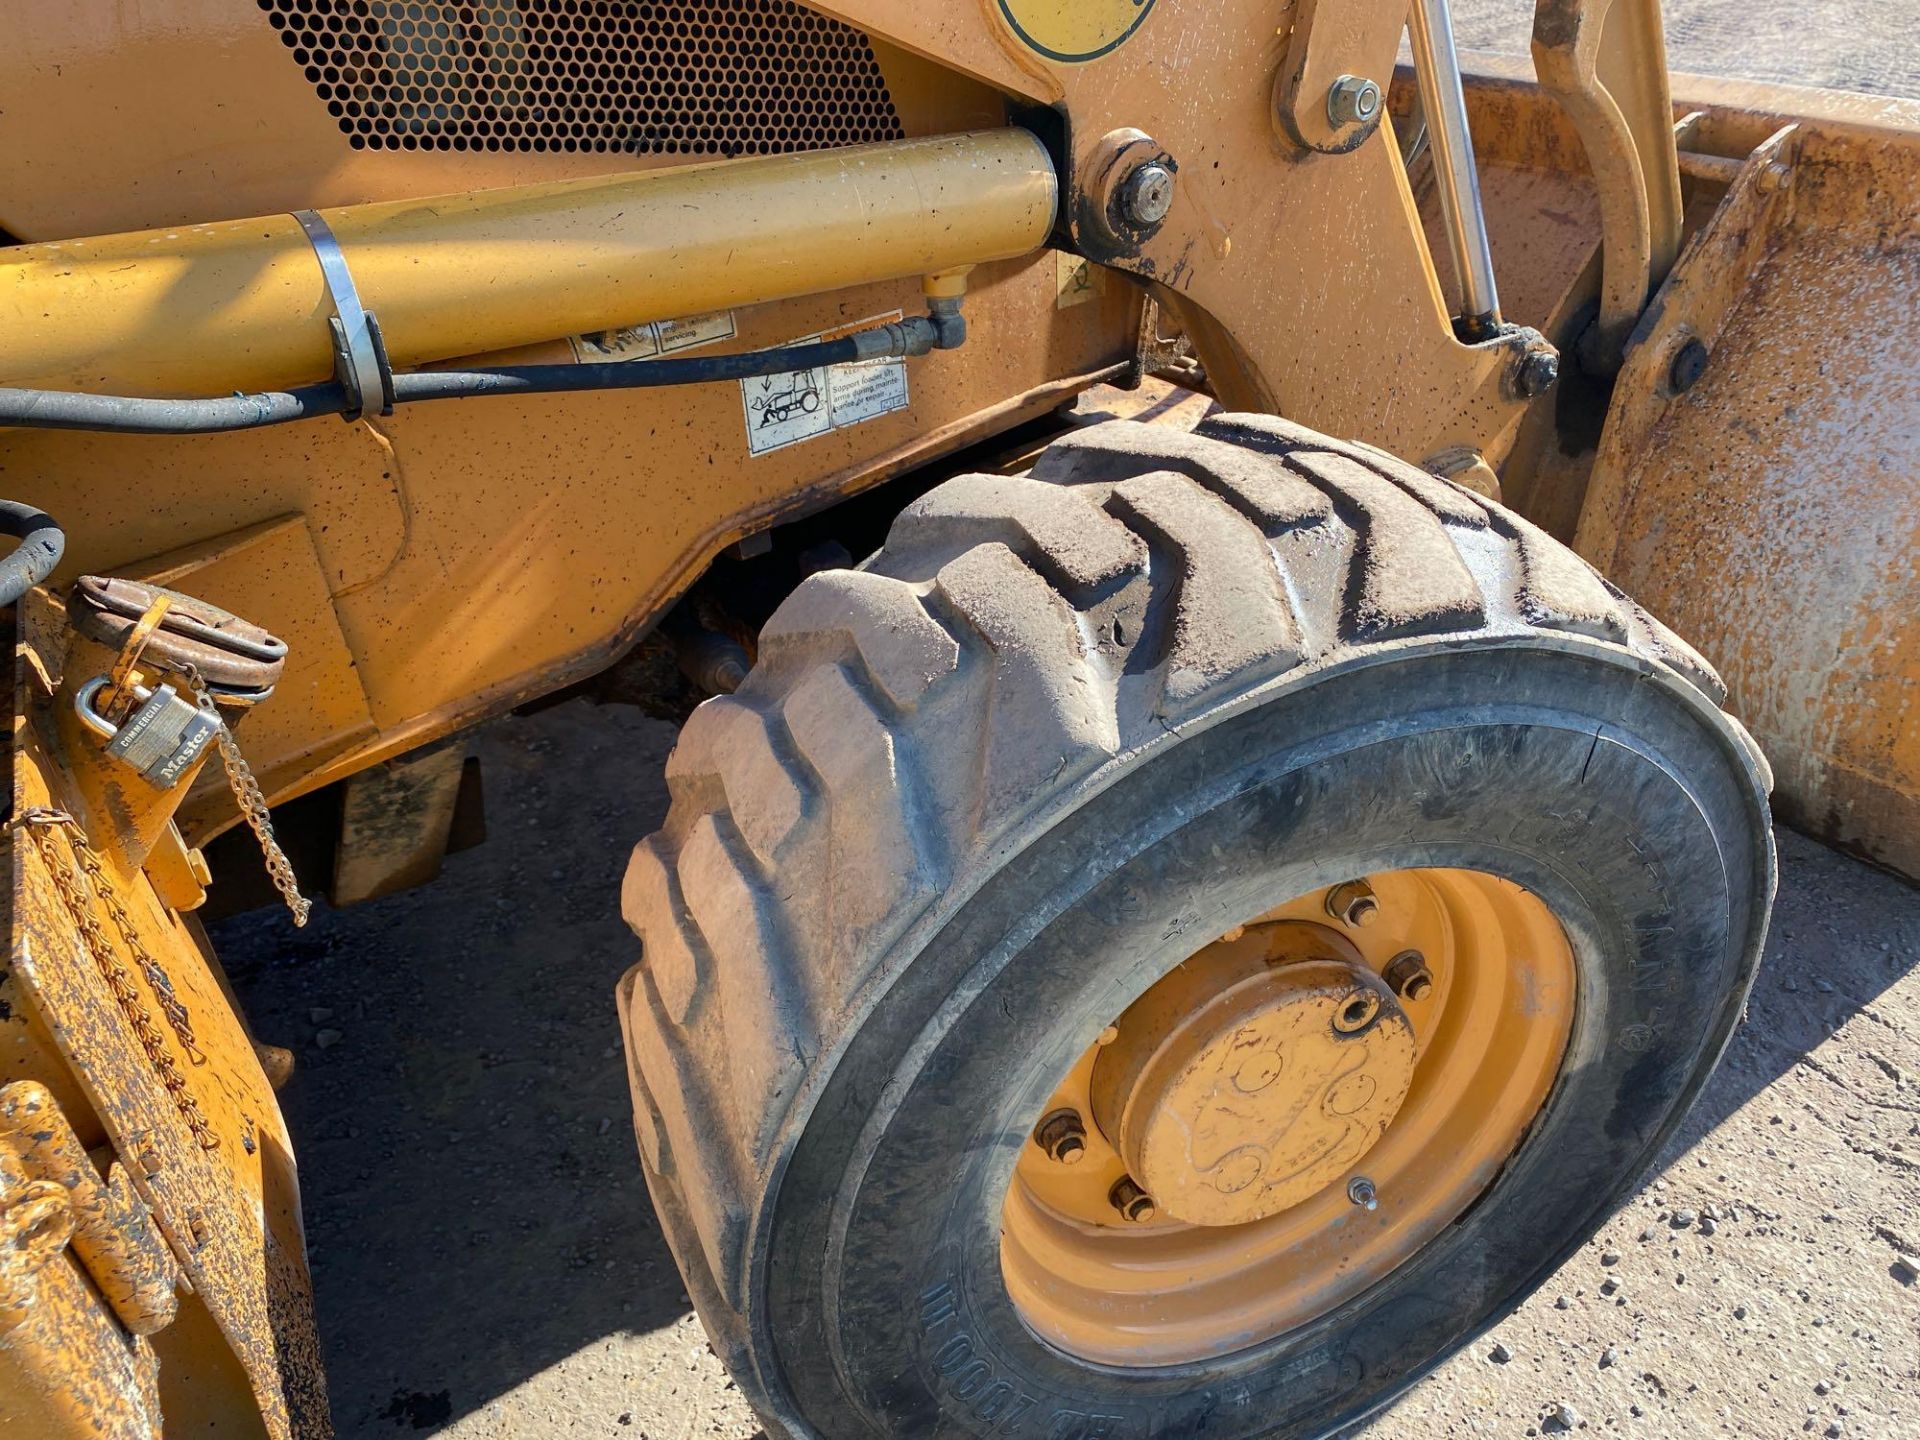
(474, 1204)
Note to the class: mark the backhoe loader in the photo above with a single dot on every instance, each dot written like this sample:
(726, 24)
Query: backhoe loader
(1189, 887)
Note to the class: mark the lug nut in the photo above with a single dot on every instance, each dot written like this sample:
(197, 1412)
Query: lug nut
(1353, 903)
(1356, 1012)
(1361, 1192)
(1352, 100)
(1146, 195)
(1063, 1135)
(1133, 1203)
(1408, 975)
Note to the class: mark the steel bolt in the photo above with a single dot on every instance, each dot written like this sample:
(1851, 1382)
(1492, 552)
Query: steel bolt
(1537, 373)
(1356, 1012)
(1352, 100)
(1133, 1203)
(1409, 976)
(1146, 195)
(1361, 1192)
(1063, 1135)
(1353, 903)
(1688, 366)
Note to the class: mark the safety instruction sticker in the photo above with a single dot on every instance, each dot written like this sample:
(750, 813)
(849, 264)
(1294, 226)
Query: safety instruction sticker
(662, 337)
(798, 405)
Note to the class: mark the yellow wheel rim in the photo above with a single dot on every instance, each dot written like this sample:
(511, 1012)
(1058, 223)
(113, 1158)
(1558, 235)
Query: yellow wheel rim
(1287, 1117)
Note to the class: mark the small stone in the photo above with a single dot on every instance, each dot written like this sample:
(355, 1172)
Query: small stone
(1682, 1219)
(1609, 1285)
(1821, 1387)
(1906, 1269)
(1646, 1235)
(1563, 1303)
(1610, 1257)
(1789, 984)
(1560, 1417)
(1500, 1354)
(320, 1014)
(1825, 987)
(1835, 1429)
(327, 1039)
(1607, 1357)
(1739, 1312)
(1707, 1227)
(1635, 1411)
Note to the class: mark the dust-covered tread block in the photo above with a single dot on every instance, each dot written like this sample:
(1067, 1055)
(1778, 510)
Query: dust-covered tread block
(1044, 711)
(1454, 504)
(1049, 528)
(650, 901)
(1252, 483)
(867, 859)
(1559, 590)
(729, 741)
(1406, 578)
(1231, 621)
(854, 613)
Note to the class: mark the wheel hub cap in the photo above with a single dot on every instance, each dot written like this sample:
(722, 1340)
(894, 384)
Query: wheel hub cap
(1234, 1096)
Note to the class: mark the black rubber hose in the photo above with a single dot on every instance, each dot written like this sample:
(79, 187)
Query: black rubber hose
(133, 415)
(630, 374)
(42, 543)
(137, 415)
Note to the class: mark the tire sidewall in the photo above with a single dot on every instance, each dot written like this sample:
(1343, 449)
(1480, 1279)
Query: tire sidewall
(1623, 804)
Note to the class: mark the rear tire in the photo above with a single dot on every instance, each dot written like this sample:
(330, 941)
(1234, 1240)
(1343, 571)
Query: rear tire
(1060, 731)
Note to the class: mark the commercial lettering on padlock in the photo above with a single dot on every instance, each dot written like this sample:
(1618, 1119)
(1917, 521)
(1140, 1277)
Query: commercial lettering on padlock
(160, 740)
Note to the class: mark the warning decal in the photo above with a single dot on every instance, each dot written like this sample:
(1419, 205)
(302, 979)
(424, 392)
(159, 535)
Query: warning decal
(798, 405)
(662, 337)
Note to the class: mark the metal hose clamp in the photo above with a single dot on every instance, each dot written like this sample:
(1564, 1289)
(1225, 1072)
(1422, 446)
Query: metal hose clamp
(360, 360)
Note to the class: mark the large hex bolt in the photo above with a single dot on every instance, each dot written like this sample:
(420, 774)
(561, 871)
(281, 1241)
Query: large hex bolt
(1536, 374)
(1063, 1135)
(1353, 903)
(1408, 975)
(1352, 100)
(1146, 195)
(1134, 1204)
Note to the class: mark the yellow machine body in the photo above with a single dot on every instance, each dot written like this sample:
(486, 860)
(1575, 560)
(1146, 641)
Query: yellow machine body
(449, 561)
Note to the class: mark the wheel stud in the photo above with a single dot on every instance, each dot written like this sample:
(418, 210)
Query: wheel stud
(1409, 976)
(1353, 903)
(1361, 1192)
(1133, 1203)
(1063, 1135)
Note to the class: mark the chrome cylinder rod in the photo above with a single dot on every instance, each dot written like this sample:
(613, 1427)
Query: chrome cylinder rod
(1436, 64)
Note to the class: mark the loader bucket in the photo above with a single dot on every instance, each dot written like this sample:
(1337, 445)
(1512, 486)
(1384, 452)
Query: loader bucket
(1766, 502)
(1752, 473)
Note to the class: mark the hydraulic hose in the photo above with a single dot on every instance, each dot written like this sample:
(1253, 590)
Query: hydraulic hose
(945, 329)
(42, 543)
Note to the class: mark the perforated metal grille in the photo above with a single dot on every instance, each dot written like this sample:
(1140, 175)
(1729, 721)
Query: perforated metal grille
(737, 77)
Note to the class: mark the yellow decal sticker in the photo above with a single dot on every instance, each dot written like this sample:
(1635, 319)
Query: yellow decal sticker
(1074, 30)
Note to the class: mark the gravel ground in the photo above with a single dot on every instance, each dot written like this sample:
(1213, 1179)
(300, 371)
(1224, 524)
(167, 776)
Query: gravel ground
(486, 1263)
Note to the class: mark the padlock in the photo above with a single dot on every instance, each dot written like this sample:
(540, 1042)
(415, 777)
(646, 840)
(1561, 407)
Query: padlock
(161, 739)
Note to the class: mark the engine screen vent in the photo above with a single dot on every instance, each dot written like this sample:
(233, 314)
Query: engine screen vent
(737, 77)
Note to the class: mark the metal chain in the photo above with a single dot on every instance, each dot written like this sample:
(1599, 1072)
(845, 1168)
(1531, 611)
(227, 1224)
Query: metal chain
(253, 804)
(41, 823)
